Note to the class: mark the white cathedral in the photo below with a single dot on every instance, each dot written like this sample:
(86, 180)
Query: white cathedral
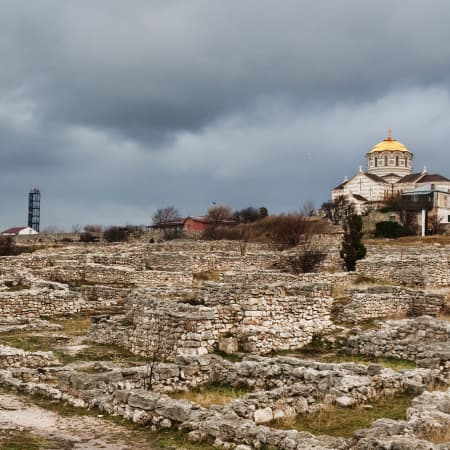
(389, 174)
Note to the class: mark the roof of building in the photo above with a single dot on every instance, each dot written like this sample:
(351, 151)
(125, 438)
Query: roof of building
(392, 174)
(411, 178)
(341, 186)
(375, 177)
(432, 177)
(389, 144)
(13, 230)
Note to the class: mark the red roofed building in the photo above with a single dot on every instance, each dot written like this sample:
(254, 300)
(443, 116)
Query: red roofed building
(18, 231)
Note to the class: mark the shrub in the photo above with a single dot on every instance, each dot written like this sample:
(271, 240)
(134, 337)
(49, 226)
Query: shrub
(115, 234)
(9, 248)
(87, 236)
(305, 262)
(389, 229)
(352, 246)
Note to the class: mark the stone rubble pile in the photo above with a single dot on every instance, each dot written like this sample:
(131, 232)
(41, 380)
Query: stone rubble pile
(304, 387)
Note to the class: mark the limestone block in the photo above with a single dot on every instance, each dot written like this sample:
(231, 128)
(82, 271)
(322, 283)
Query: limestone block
(345, 401)
(229, 345)
(264, 415)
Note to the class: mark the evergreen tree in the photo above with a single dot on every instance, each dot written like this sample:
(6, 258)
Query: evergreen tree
(352, 246)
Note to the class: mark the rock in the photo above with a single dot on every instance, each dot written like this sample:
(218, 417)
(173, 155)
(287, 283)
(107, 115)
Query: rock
(345, 401)
(165, 423)
(177, 410)
(228, 345)
(196, 436)
(141, 417)
(264, 415)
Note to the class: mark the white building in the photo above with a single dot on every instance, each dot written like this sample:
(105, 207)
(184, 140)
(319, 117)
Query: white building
(18, 231)
(390, 174)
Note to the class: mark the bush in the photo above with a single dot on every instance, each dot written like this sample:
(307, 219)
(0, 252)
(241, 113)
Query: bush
(115, 234)
(353, 248)
(87, 236)
(389, 229)
(305, 262)
(9, 248)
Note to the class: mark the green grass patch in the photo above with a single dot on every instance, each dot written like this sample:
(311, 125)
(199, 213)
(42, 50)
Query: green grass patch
(343, 422)
(32, 342)
(99, 352)
(75, 326)
(12, 439)
(55, 343)
(212, 394)
(391, 363)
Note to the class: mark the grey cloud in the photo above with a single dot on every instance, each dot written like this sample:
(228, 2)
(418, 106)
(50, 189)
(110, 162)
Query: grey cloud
(121, 107)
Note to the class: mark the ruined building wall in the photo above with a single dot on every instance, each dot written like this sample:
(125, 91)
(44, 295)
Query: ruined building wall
(388, 301)
(416, 266)
(263, 317)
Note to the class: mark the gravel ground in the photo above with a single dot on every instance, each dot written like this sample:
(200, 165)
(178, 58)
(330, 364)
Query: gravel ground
(77, 432)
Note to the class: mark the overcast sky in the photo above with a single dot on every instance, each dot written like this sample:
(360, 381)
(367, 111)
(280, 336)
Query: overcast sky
(114, 108)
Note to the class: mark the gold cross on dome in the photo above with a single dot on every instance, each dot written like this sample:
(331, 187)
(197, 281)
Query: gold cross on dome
(390, 133)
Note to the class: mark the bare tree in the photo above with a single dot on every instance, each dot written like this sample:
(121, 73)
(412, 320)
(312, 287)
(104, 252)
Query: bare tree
(219, 213)
(160, 344)
(163, 216)
(308, 209)
(217, 216)
(290, 230)
(434, 223)
(338, 210)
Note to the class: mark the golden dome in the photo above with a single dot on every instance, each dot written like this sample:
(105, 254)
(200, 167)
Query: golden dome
(389, 144)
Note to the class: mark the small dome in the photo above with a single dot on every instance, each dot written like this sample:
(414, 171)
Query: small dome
(389, 144)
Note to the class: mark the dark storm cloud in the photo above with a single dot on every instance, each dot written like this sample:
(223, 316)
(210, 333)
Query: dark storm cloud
(121, 107)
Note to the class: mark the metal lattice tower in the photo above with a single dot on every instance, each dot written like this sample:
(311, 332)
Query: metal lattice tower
(34, 209)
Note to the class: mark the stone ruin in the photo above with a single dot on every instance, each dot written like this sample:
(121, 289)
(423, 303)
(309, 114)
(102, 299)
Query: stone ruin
(213, 299)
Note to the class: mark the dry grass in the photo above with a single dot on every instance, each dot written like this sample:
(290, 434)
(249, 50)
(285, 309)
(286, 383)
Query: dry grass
(411, 241)
(211, 394)
(338, 291)
(437, 435)
(338, 421)
(75, 326)
(206, 275)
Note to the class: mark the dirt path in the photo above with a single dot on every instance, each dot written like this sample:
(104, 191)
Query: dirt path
(72, 432)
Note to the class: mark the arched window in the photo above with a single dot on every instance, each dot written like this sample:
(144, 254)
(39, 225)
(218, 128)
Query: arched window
(376, 161)
(385, 160)
(397, 161)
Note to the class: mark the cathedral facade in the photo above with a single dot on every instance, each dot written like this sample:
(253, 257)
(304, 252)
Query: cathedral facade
(389, 175)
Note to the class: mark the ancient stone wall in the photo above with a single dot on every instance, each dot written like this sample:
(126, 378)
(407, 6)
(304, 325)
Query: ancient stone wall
(423, 339)
(11, 357)
(304, 387)
(262, 317)
(35, 303)
(388, 301)
(416, 266)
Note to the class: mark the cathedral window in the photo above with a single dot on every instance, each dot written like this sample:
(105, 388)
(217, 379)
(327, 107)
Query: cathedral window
(376, 161)
(397, 161)
(385, 160)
